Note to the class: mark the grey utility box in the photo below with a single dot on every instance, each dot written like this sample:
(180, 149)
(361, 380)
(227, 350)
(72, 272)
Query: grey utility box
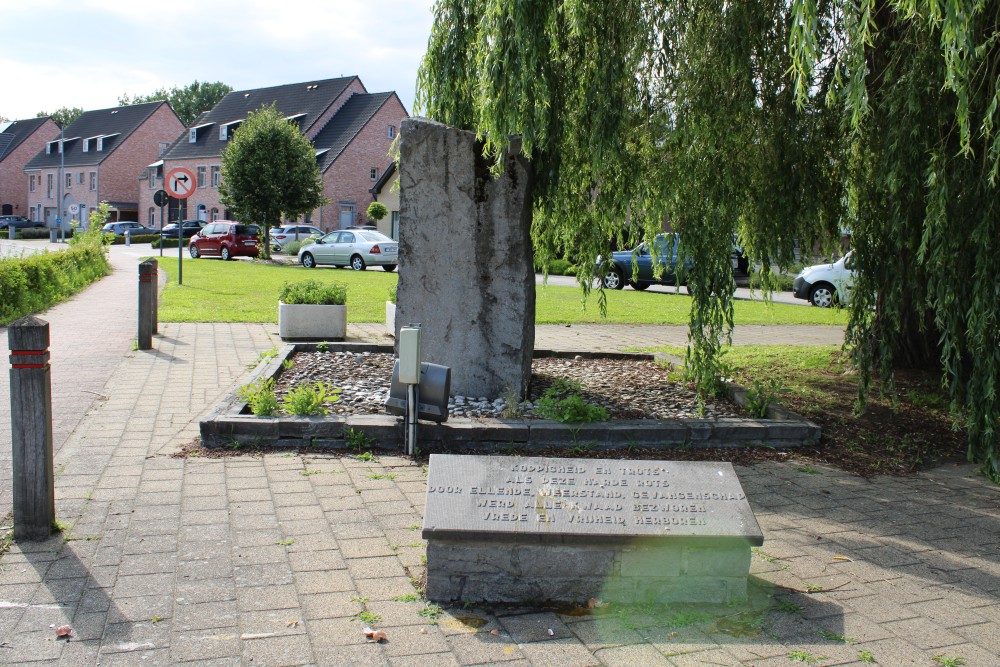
(432, 395)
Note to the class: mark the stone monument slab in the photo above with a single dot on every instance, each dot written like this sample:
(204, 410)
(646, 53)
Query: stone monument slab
(531, 529)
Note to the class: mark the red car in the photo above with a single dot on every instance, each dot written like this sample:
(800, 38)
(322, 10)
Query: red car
(226, 240)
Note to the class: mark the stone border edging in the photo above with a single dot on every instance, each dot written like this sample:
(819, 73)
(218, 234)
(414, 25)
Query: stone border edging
(226, 422)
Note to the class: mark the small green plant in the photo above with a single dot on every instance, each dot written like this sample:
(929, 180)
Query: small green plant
(866, 657)
(287, 364)
(369, 617)
(60, 527)
(512, 404)
(787, 607)
(260, 397)
(948, 662)
(809, 470)
(581, 449)
(813, 588)
(563, 403)
(358, 440)
(382, 475)
(409, 597)
(285, 543)
(360, 600)
(803, 656)
(760, 395)
(367, 457)
(309, 473)
(431, 612)
(313, 292)
(756, 551)
(135, 345)
(322, 347)
(392, 293)
(306, 399)
(834, 637)
(415, 526)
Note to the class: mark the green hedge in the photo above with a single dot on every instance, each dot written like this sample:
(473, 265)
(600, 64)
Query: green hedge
(33, 283)
(557, 267)
(167, 243)
(32, 233)
(138, 238)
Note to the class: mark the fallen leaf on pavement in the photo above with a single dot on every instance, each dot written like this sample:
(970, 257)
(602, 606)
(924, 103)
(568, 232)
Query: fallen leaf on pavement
(377, 637)
(64, 631)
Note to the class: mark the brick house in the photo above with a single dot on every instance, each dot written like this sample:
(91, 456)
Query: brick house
(20, 141)
(102, 151)
(386, 190)
(351, 130)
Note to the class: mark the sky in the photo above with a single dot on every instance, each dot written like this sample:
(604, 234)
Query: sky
(86, 53)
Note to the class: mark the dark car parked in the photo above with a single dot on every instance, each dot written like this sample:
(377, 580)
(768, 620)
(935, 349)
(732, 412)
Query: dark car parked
(618, 270)
(18, 222)
(191, 227)
(226, 240)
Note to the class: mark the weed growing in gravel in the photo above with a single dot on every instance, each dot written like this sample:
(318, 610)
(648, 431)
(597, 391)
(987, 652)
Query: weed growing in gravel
(834, 637)
(322, 347)
(866, 657)
(787, 607)
(369, 617)
(358, 440)
(260, 397)
(287, 364)
(367, 457)
(431, 612)
(409, 597)
(563, 403)
(760, 395)
(948, 662)
(285, 543)
(307, 399)
(809, 470)
(803, 656)
(382, 475)
(511, 404)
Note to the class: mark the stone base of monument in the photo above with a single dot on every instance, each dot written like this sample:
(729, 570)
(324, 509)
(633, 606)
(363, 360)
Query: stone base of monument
(534, 530)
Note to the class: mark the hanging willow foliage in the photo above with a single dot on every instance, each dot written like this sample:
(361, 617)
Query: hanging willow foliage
(770, 120)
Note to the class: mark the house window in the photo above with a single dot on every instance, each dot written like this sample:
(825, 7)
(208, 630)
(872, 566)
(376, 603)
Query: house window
(100, 143)
(374, 174)
(152, 216)
(93, 181)
(79, 178)
(223, 132)
(69, 180)
(215, 214)
(392, 131)
(201, 177)
(164, 145)
(216, 176)
(50, 183)
(86, 145)
(152, 178)
(31, 183)
(193, 135)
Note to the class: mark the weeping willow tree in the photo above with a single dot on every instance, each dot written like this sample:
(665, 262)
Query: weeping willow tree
(767, 121)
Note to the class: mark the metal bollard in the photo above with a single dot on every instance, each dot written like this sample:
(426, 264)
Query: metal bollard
(147, 274)
(128, 237)
(31, 429)
(155, 296)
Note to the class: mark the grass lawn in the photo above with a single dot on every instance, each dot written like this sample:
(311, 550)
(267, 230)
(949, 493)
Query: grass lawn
(894, 434)
(243, 291)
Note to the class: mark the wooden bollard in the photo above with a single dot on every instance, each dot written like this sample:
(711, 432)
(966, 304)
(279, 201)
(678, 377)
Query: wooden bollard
(155, 296)
(147, 287)
(31, 429)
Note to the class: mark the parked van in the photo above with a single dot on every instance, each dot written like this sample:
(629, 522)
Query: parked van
(824, 285)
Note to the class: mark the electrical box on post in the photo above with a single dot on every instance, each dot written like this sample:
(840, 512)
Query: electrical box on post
(409, 354)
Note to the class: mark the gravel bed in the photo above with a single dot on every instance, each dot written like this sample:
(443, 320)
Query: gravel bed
(627, 389)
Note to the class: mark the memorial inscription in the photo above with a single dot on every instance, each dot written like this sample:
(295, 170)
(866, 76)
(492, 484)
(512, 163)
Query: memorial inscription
(517, 498)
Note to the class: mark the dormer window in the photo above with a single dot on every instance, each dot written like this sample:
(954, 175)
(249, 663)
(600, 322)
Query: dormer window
(223, 132)
(193, 135)
(100, 144)
(86, 145)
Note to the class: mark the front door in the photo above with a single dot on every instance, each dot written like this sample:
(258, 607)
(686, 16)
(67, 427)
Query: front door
(346, 215)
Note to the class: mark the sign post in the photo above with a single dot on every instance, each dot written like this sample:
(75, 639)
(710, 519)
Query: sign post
(180, 184)
(160, 198)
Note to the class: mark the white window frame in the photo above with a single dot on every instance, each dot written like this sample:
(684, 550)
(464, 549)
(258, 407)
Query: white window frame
(31, 183)
(374, 173)
(392, 131)
(69, 180)
(193, 135)
(93, 181)
(216, 172)
(50, 185)
(200, 172)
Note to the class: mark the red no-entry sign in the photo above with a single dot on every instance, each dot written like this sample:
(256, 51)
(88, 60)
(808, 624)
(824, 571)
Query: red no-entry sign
(180, 183)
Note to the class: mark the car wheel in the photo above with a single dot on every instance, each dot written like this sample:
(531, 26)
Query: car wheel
(639, 287)
(822, 295)
(193, 249)
(357, 263)
(225, 254)
(308, 261)
(613, 279)
(389, 267)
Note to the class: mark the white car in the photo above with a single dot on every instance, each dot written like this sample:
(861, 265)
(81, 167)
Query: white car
(354, 248)
(281, 236)
(824, 285)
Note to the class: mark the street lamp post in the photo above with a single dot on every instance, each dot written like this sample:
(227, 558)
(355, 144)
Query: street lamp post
(59, 185)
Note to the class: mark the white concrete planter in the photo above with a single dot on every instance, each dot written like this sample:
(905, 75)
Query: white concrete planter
(305, 321)
(390, 319)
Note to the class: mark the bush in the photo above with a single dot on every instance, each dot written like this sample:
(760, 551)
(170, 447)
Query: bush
(314, 292)
(167, 243)
(293, 247)
(260, 397)
(139, 238)
(34, 233)
(307, 399)
(33, 283)
(563, 402)
(557, 267)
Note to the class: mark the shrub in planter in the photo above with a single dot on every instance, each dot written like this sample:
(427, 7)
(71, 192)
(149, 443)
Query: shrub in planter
(310, 310)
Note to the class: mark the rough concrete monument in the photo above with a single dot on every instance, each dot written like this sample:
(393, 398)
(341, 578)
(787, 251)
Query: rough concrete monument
(529, 530)
(465, 258)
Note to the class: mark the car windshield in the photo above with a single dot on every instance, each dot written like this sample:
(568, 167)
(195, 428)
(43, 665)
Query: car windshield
(374, 237)
(253, 230)
(108, 227)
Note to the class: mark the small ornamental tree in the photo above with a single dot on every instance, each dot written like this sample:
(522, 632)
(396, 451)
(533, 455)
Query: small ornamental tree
(269, 170)
(377, 211)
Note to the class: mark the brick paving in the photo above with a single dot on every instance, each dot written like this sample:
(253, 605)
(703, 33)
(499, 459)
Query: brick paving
(283, 559)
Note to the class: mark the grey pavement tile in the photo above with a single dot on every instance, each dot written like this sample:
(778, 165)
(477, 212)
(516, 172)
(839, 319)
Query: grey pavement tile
(258, 538)
(61, 591)
(192, 550)
(38, 617)
(25, 573)
(631, 656)
(136, 658)
(150, 544)
(251, 508)
(284, 650)
(378, 567)
(275, 553)
(218, 533)
(94, 599)
(206, 616)
(270, 597)
(79, 653)
(337, 632)
(132, 637)
(248, 495)
(204, 590)
(155, 512)
(302, 498)
(715, 657)
(483, 647)
(312, 543)
(345, 531)
(206, 645)
(318, 606)
(28, 647)
(385, 588)
(323, 581)
(413, 640)
(205, 503)
(391, 507)
(305, 527)
(102, 576)
(398, 613)
(204, 517)
(140, 608)
(988, 638)
(600, 632)
(215, 568)
(948, 614)
(147, 564)
(526, 628)
(267, 574)
(924, 633)
(311, 512)
(350, 656)
(897, 652)
(365, 547)
(142, 585)
(425, 660)
(308, 561)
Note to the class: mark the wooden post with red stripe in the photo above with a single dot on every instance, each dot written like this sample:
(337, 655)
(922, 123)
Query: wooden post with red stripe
(147, 287)
(31, 429)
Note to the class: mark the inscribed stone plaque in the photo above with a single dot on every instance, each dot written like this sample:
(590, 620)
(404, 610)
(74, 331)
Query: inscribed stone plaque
(542, 499)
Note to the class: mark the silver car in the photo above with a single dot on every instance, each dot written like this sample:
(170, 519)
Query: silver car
(355, 248)
(281, 236)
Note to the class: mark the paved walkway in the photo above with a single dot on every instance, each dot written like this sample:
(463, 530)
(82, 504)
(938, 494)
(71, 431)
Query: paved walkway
(270, 560)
